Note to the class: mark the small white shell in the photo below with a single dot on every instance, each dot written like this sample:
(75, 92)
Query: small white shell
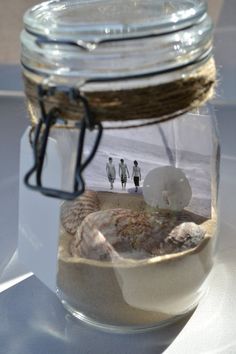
(183, 237)
(73, 213)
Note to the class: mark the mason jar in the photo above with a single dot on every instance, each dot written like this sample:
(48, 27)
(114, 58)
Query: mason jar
(125, 157)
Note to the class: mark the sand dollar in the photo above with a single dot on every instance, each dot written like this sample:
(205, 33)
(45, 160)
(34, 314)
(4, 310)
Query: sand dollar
(167, 187)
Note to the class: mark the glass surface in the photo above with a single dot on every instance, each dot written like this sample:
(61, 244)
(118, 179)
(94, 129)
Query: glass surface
(127, 263)
(97, 19)
(136, 248)
(180, 33)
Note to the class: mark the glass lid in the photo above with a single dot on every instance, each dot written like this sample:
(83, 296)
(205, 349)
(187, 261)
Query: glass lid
(97, 20)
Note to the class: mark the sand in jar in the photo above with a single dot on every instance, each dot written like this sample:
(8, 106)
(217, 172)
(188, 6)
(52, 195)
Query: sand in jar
(118, 277)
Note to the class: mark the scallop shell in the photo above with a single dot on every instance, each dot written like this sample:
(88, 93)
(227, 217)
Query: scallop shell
(73, 213)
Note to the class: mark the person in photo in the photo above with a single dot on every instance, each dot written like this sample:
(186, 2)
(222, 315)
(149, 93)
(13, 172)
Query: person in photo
(111, 172)
(136, 175)
(123, 173)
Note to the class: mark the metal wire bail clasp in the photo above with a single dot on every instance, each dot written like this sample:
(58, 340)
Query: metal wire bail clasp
(40, 141)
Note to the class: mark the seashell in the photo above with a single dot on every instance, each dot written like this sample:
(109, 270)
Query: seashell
(116, 233)
(104, 234)
(185, 236)
(167, 187)
(74, 212)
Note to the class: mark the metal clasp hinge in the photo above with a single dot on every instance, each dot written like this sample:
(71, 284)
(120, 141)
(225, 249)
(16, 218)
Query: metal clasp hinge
(40, 141)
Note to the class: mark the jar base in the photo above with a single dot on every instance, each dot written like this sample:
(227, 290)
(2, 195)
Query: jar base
(124, 329)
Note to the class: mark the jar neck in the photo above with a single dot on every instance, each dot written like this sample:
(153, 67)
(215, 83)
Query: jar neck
(121, 58)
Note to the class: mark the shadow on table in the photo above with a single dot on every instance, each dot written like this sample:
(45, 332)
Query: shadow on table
(84, 339)
(34, 321)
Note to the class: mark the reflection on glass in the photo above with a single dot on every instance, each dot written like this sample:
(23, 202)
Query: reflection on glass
(136, 247)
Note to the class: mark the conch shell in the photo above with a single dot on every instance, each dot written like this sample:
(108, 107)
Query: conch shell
(105, 234)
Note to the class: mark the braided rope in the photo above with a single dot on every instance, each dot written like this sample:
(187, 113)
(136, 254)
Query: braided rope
(161, 101)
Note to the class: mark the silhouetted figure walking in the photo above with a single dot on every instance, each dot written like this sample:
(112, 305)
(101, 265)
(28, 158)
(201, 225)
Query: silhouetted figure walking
(123, 172)
(136, 175)
(111, 172)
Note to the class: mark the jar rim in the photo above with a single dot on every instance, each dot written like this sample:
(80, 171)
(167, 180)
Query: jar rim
(51, 48)
(97, 20)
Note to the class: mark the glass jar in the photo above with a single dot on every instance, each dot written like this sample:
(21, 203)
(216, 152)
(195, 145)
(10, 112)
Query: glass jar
(115, 94)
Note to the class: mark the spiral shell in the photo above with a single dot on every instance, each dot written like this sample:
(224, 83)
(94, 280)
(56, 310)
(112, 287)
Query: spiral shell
(183, 237)
(73, 213)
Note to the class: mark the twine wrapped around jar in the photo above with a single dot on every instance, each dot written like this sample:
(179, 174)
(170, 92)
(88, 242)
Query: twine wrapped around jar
(161, 101)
